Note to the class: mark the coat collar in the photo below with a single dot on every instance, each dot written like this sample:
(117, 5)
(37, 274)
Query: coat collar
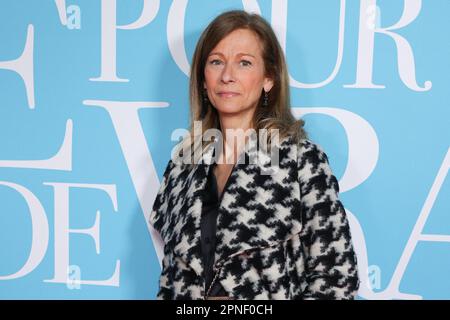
(260, 205)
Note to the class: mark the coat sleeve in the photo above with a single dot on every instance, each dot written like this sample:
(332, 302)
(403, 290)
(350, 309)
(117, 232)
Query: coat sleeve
(330, 260)
(165, 291)
(160, 205)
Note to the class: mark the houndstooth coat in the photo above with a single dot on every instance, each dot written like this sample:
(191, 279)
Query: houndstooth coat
(283, 235)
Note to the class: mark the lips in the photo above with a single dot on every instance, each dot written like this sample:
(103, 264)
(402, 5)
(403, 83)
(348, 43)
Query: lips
(227, 94)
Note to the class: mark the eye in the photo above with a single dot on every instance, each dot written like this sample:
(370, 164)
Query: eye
(215, 62)
(246, 63)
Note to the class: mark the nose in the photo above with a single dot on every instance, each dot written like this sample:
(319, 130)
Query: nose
(228, 73)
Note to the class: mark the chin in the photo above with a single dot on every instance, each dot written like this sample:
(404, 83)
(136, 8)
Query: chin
(231, 108)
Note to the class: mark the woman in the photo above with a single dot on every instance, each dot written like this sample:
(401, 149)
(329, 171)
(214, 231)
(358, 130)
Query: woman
(232, 230)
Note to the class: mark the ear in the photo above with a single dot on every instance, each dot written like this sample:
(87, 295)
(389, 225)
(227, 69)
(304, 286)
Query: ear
(268, 84)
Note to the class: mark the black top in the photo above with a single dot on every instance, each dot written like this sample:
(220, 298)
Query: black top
(208, 232)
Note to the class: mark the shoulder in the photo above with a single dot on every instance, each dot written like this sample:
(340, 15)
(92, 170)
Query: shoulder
(306, 151)
(177, 160)
(168, 170)
(311, 160)
(310, 151)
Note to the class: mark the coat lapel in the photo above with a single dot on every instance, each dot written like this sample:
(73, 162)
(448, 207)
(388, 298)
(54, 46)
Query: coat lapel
(260, 205)
(187, 210)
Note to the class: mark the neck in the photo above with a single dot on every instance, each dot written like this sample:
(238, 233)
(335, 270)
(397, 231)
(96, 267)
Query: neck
(233, 128)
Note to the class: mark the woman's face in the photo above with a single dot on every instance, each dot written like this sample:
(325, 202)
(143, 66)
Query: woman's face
(234, 73)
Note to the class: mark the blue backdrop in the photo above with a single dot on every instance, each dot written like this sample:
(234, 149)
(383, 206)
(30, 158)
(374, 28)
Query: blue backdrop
(91, 91)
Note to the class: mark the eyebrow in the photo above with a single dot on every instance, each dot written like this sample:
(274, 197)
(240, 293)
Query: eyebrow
(239, 54)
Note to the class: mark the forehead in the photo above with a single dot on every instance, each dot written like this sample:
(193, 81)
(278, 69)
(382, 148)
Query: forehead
(239, 41)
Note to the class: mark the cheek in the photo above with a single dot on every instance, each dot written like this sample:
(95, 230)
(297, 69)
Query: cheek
(253, 85)
(210, 77)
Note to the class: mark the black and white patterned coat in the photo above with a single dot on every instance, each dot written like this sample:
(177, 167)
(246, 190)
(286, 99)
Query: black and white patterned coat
(283, 235)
